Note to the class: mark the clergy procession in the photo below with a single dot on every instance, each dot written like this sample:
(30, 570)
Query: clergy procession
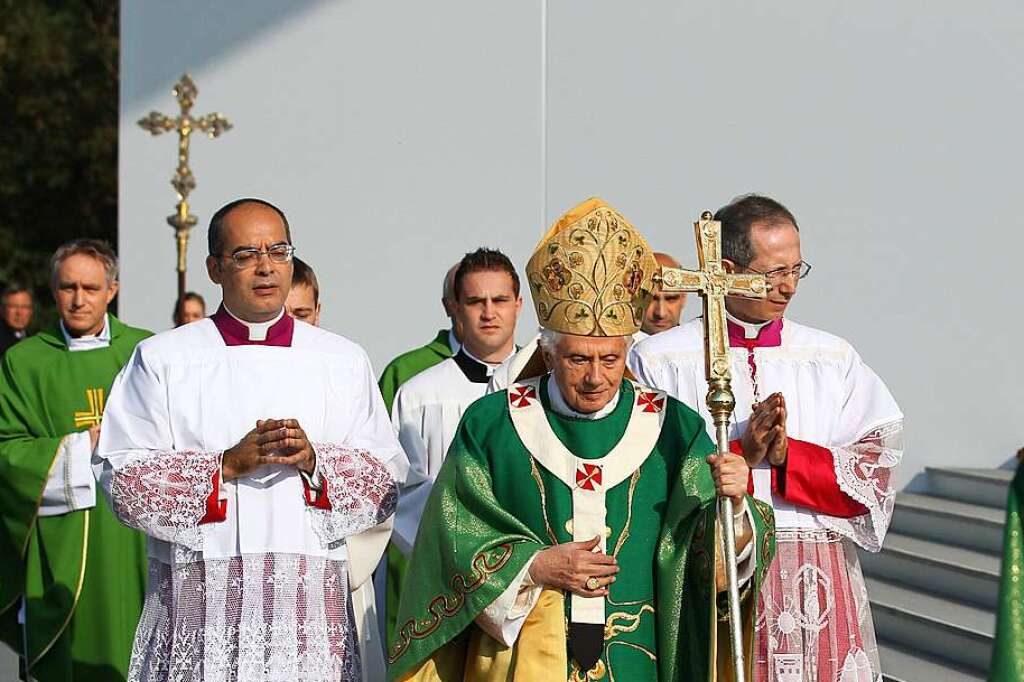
(244, 499)
(489, 346)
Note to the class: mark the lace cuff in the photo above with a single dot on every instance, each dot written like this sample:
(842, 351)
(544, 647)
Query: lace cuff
(360, 491)
(166, 494)
(865, 470)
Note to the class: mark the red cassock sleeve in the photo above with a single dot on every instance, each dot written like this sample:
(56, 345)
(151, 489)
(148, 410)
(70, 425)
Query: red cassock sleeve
(808, 479)
(316, 498)
(216, 508)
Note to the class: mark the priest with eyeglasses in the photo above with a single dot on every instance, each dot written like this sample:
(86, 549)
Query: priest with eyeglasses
(253, 450)
(823, 437)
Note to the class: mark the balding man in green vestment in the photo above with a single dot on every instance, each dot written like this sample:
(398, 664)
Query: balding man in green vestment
(72, 579)
(571, 533)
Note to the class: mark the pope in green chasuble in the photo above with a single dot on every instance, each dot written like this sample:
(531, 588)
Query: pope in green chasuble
(494, 506)
(73, 574)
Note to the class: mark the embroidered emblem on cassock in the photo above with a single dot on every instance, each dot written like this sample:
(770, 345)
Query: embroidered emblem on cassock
(520, 396)
(94, 414)
(588, 476)
(651, 401)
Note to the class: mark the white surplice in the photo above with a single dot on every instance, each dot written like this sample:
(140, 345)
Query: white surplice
(426, 414)
(263, 594)
(814, 620)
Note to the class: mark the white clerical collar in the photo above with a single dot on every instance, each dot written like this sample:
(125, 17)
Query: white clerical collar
(751, 330)
(257, 330)
(91, 342)
(453, 342)
(559, 405)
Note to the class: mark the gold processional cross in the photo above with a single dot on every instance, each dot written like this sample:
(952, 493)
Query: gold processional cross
(713, 284)
(183, 181)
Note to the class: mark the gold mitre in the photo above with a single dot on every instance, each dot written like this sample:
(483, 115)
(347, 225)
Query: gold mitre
(592, 274)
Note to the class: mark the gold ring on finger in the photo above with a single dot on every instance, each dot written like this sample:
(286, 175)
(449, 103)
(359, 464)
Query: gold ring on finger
(593, 583)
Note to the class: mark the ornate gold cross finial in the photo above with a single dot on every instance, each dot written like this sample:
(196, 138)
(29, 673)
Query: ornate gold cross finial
(713, 283)
(184, 182)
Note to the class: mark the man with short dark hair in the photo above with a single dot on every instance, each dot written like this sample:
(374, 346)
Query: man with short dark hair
(428, 406)
(822, 435)
(251, 449)
(303, 302)
(18, 308)
(485, 305)
(190, 308)
(72, 579)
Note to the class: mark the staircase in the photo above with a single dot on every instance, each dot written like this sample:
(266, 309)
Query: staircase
(933, 588)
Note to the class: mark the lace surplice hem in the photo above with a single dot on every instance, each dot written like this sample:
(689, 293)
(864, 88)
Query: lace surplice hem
(251, 618)
(866, 471)
(814, 619)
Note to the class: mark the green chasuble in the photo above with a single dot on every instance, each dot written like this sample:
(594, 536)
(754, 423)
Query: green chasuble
(82, 574)
(1008, 653)
(407, 365)
(494, 506)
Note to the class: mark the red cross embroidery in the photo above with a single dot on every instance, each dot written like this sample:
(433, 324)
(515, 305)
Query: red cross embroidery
(520, 396)
(651, 402)
(588, 476)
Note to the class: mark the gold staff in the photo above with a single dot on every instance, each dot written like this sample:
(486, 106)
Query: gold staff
(713, 284)
(183, 181)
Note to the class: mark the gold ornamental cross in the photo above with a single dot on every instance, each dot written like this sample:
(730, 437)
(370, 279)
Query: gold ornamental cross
(184, 182)
(713, 283)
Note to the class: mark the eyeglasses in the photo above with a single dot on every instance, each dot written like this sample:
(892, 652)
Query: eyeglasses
(798, 271)
(247, 258)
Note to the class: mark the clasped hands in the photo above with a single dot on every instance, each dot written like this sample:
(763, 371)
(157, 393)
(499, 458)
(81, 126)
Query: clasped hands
(765, 437)
(578, 568)
(273, 441)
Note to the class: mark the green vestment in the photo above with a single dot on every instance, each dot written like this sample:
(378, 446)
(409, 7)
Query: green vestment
(398, 371)
(82, 574)
(407, 365)
(493, 507)
(1008, 653)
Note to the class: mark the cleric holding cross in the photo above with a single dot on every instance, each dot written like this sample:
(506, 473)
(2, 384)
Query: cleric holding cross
(250, 448)
(571, 531)
(822, 435)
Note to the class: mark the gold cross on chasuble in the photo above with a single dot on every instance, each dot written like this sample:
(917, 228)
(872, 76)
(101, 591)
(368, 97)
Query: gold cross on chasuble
(94, 414)
(713, 284)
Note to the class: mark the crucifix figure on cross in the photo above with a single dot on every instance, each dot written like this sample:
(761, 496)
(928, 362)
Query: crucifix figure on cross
(184, 182)
(714, 283)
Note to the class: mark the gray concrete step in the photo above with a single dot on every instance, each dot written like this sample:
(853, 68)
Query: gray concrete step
(924, 622)
(963, 574)
(986, 487)
(900, 664)
(950, 522)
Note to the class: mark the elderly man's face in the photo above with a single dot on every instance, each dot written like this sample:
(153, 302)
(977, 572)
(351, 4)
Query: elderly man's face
(588, 370)
(83, 293)
(255, 292)
(18, 309)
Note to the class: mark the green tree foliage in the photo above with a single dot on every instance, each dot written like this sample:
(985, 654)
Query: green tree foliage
(58, 130)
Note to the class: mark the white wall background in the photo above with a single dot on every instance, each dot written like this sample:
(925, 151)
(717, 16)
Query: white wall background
(398, 135)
